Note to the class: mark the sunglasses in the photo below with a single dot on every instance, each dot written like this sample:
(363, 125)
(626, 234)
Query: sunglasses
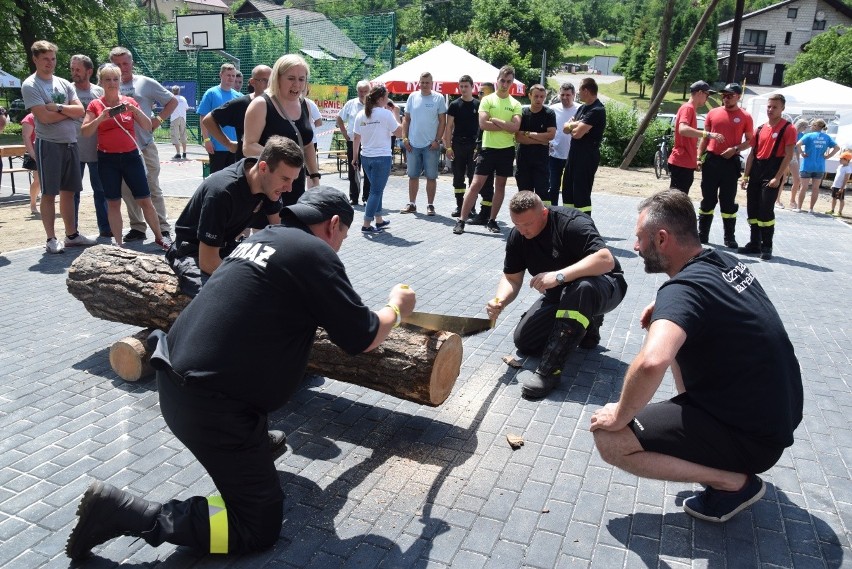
(728, 95)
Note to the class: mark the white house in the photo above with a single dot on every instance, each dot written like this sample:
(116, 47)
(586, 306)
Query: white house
(772, 37)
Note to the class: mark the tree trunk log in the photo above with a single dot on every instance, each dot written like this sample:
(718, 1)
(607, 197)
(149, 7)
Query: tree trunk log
(133, 288)
(129, 357)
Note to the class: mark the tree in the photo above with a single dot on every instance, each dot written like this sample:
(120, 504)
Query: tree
(828, 55)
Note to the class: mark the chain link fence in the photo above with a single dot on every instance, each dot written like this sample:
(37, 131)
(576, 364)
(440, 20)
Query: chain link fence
(340, 52)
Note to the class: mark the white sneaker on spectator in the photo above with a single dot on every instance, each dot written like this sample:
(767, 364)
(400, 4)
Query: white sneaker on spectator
(54, 246)
(79, 241)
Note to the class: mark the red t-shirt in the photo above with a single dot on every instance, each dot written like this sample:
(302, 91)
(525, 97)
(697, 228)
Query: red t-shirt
(30, 120)
(730, 124)
(111, 137)
(685, 151)
(765, 138)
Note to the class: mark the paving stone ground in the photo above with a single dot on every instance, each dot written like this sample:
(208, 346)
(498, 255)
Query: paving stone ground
(373, 481)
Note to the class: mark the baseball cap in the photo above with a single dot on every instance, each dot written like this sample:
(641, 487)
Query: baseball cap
(846, 156)
(320, 204)
(701, 86)
(733, 88)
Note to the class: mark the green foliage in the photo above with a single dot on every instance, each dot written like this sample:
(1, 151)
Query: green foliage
(828, 55)
(12, 129)
(418, 47)
(621, 124)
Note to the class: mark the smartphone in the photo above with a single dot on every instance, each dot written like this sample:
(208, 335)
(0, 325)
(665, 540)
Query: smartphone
(117, 110)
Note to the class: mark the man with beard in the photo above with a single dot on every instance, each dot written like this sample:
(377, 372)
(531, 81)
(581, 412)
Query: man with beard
(577, 276)
(738, 381)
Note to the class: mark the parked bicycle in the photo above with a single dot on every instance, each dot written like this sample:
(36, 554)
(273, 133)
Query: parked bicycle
(661, 156)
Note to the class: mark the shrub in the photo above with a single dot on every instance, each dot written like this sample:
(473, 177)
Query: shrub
(621, 124)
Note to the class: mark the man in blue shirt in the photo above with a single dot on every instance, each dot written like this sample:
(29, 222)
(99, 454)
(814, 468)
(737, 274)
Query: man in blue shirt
(214, 97)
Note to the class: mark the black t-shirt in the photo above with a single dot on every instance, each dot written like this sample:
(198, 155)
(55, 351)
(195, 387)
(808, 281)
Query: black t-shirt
(249, 331)
(737, 362)
(465, 120)
(570, 235)
(535, 122)
(594, 115)
(221, 207)
(233, 113)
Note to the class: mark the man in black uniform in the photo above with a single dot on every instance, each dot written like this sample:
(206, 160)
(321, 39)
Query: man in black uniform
(738, 381)
(577, 275)
(486, 194)
(538, 128)
(586, 130)
(460, 138)
(225, 204)
(217, 383)
(233, 113)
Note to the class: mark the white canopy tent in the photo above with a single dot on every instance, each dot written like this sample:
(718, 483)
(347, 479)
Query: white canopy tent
(446, 62)
(9, 81)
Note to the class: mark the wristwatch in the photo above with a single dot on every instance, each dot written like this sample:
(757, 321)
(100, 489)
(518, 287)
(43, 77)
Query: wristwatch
(59, 108)
(560, 278)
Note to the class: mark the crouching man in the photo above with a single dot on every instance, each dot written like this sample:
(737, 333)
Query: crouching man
(217, 382)
(576, 274)
(738, 381)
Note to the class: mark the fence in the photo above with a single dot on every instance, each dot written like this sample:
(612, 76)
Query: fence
(340, 51)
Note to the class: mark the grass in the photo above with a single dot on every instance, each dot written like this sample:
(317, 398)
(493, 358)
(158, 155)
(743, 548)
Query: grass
(672, 101)
(11, 139)
(579, 53)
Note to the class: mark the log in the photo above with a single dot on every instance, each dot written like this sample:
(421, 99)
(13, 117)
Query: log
(129, 357)
(139, 289)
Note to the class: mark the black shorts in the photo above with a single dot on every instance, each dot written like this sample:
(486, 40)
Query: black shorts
(838, 193)
(679, 428)
(497, 161)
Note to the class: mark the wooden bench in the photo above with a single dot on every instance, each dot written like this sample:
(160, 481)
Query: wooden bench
(340, 157)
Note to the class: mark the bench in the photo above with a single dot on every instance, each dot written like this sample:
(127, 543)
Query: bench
(340, 157)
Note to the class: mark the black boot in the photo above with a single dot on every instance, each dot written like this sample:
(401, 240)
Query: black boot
(753, 245)
(564, 337)
(730, 226)
(106, 513)
(593, 333)
(483, 217)
(459, 200)
(704, 223)
(766, 233)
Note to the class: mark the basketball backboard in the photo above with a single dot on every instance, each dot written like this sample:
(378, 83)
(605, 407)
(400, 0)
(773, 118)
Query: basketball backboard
(202, 31)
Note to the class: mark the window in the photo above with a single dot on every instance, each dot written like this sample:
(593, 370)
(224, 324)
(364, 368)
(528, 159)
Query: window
(787, 38)
(819, 24)
(792, 13)
(754, 37)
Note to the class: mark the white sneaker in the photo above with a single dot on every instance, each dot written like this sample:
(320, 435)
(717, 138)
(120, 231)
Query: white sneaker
(80, 241)
(54, 246)
(795, 210)
(810, 211)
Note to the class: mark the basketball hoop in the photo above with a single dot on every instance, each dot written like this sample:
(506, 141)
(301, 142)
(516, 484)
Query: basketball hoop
(191, 49)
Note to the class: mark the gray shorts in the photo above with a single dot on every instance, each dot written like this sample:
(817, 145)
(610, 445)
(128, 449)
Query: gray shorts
(58, 167)
(177, 130)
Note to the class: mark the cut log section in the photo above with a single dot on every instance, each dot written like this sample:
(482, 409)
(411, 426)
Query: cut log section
(138, 289)
(129, 357)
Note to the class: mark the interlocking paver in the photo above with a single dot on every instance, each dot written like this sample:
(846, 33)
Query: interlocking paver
(374, 481)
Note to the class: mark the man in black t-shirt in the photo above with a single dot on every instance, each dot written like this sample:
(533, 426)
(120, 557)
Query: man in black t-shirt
(460, 138)
(577, 275)
(238, 351)
(233, 113)
(538, 128)
(586, 130)
(224, 205)
(738, 381)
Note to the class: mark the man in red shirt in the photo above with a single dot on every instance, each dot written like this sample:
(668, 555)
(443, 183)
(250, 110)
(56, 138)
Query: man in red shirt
(773, 150)
(683, 160)
(722, 166)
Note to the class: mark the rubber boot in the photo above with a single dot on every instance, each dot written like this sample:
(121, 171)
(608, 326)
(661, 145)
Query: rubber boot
(753, 245)
(459, 200)
(593, 333)
(106, 513)
(483, 217)
(766, 233)
(730, 226)
(704, 223)
(563, 339)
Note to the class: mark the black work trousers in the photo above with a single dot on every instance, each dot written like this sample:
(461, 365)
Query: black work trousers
(463, 163)
(760, 198)
(230, 439)
(580, 177)
(580, 300)
(719, 184)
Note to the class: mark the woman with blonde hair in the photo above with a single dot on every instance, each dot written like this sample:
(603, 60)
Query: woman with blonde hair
(801, 126)
(282, 110)
(113, 117)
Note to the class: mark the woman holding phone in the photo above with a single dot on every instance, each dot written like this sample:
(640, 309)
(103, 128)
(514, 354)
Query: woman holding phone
(113, 117)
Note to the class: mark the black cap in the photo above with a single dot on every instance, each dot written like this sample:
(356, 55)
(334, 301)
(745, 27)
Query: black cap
(733, 88)
(701, 86)
(320, 204)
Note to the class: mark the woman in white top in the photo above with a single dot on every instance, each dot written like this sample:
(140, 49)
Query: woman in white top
(374, 127)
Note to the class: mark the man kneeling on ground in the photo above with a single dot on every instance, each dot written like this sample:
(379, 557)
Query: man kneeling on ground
(238, 351)
(738, 381)
(577, 275)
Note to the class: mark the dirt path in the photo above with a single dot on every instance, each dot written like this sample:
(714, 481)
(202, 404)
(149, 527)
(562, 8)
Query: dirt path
(20, 230)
